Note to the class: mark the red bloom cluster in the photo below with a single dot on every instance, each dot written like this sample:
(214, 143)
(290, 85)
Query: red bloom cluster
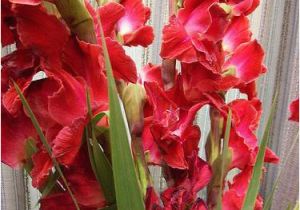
(44, 43)
(212, 42)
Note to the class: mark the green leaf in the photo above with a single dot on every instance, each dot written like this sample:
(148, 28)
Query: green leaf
(101, 165)
(128, 192)
(224, 160)
(44, 141)
(50, 183)
(268, 201)
(254, 184)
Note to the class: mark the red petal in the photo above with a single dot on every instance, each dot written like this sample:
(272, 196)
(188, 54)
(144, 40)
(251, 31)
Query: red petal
(246, 116)
(151, 73)
(39, 31)
(241, 154)
(191, 138)
(68, 141)
(131, 25)
(42, 165)
(195, 15)
(271, 157)
(249, 89)
(7, 22)
(247, 61)
(11, 100)
(83, 181)
(151, 149)
(85, 60)
(243, 6)
(200, 173)
(110, 14)
(176, 43)
(20, 67)
(143, 36)
(15, 132)
(123, 66)
(57, 201)
(152, 200)
(69, 102)
(294, 110)
(237, 33)
(37, 97)
(219, 24)
(210, 54)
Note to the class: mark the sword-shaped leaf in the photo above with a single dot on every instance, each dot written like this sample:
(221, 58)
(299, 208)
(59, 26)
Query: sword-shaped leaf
(128, 192)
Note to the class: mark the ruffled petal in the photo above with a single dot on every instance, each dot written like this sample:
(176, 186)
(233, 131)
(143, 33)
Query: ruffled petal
(237, 33)
(247, 68)
(110, 14)
(151, 73)
(69, 102)
(132, 25)
(245, 7)
(68, 141)
(85, 60)
(176, 44)
(39, 31)
(143, 36)
(42, 165)
(123, 66)
(195, 15)
(19, 66)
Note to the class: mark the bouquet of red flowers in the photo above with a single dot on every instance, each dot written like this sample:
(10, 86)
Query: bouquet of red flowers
(87, 131)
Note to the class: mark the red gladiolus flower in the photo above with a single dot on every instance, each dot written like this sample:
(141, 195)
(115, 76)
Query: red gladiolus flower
(191, 36)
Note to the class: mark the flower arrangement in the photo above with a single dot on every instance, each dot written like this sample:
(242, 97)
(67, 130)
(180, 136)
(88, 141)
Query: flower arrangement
(87, 132)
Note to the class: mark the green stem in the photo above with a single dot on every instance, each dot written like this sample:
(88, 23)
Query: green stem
(78, 19)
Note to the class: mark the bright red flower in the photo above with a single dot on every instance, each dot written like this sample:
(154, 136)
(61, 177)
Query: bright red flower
(131, 27)
(294, 110)
(192, 36)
